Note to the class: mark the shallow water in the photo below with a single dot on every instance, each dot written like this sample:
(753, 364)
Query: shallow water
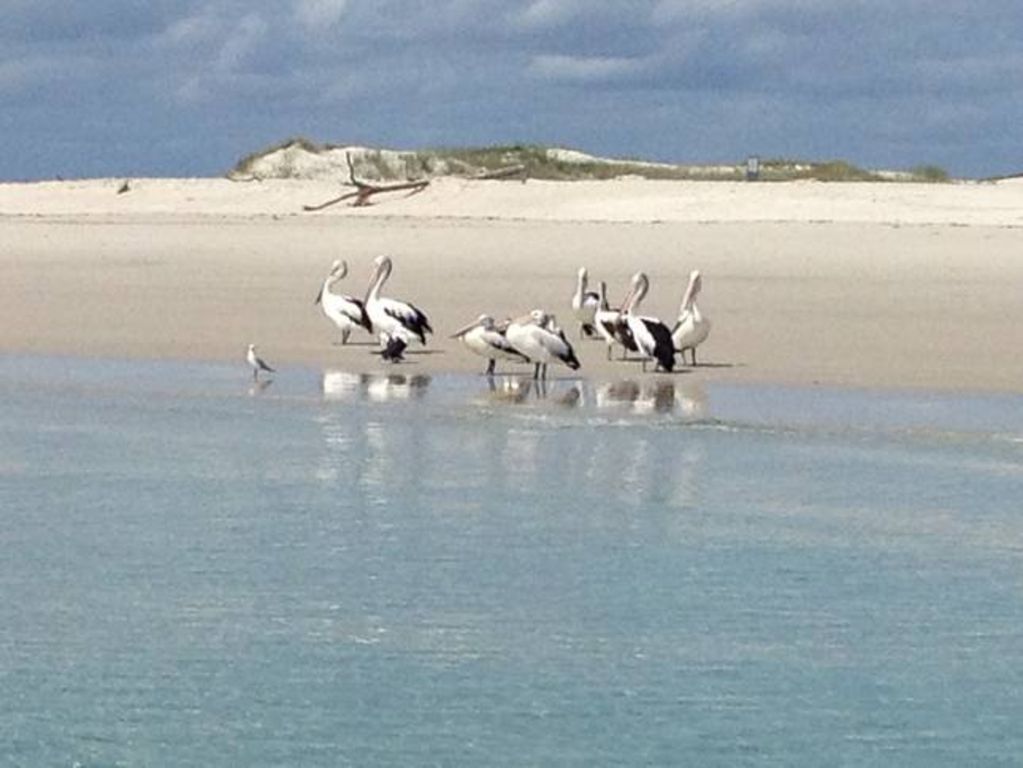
(353, 570)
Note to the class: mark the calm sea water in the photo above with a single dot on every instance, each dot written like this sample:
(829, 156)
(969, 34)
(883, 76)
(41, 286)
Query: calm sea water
(408, 571)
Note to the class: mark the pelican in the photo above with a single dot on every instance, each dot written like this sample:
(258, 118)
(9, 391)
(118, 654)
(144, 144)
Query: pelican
(486, 338)
(344, 311)
(611, 325)
(692, 327)
(536, 337)
(258, 364)
(652, 337)
(584, 305)
(391, 318)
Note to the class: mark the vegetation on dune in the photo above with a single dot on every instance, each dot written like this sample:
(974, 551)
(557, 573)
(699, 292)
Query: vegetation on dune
(932, 173)
(295, 157)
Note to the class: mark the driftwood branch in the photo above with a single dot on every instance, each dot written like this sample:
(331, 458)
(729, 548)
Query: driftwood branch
(502, 173)
(363, 191)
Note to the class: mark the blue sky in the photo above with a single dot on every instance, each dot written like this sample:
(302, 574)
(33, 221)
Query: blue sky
(187, 87)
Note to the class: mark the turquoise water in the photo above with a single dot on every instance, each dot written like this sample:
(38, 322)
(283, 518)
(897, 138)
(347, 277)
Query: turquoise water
(350, 570)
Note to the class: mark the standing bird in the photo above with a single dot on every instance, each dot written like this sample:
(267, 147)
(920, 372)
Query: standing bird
(344, 311)
(584, 305)
(486, 338)
(611, 325)
(652, 337)
(692, 328)
(536, 337)
(258, 364)
(391, 318)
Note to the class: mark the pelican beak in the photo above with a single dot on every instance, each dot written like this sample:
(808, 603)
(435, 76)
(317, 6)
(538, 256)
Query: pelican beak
(628, 298)
(372, 281)
(319, 297)
(462, 331)
(691, 290)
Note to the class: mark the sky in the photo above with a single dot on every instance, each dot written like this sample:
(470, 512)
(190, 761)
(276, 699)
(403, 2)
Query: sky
(188, 87)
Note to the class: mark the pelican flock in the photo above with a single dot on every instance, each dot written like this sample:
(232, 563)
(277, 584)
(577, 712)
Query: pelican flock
(344, 311)
(535, 338)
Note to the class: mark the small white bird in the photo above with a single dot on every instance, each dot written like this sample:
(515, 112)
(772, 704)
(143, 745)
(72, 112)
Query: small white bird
(537, 337)
(692, 328)
(584, 304)
(487, 339)
(344, 311)
(258, 364)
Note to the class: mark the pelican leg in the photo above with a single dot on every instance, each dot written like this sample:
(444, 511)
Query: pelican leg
(608, 351)
(544, 374)
(490, 367)
(345, 334)
(536, 371)
(643, 365)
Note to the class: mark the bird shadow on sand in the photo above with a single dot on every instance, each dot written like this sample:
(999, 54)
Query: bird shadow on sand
(714, 366)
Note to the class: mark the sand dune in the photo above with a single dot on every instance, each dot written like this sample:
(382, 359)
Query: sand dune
(889, 285)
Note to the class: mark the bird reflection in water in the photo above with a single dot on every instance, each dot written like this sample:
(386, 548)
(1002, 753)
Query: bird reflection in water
(259, 387)
(517, 391)
(343, 385)
(652, 396)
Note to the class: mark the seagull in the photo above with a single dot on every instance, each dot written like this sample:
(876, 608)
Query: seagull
(692, 327)
(584, 305)
(652, 337)
(391, 318)
(258, 364)
(537, 337)
(487, 339)
(344, 311)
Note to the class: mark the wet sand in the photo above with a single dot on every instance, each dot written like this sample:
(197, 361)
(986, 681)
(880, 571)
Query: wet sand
(878, 286)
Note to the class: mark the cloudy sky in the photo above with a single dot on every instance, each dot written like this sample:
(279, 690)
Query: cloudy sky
(187, 87)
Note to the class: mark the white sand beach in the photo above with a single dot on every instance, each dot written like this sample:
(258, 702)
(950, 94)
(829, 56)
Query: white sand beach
(890, 285)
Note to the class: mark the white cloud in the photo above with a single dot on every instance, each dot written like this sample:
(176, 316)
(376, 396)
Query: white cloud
(189, 31)
(21, 74)
(242, 42)
(317, 15)
(549, 13)
(583, 68)
(673, 11)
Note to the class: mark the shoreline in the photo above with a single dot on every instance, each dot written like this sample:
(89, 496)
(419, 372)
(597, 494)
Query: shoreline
(857, 304)
(571, 399)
